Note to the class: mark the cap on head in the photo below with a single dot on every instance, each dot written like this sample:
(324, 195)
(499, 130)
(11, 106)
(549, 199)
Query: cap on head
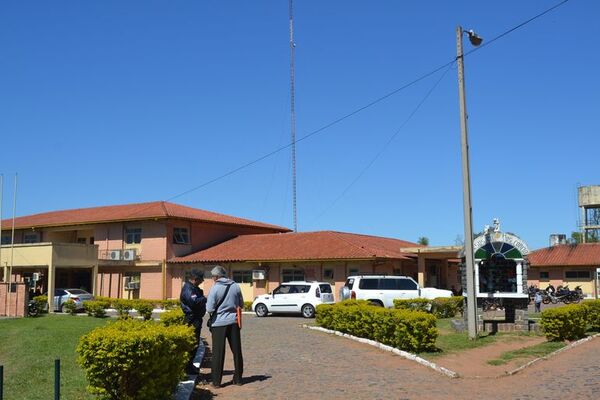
(218, 272)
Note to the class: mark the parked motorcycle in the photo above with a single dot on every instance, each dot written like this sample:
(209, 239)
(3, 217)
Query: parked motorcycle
(32, 308)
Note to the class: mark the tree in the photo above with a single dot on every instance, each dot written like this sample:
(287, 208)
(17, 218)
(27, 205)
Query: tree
(423, 240)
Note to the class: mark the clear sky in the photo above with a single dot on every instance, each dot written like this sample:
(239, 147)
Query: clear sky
(113, 102)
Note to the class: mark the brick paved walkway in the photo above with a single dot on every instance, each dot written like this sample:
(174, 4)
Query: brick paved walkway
(284, 360)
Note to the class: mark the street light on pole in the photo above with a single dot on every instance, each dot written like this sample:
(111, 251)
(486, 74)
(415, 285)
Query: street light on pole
(466, 177)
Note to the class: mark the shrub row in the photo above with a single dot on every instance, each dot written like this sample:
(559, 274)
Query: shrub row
(247, 306)
(172, 317)
(571, 322)
(135, 360)
(441, 307)
(413, 331)
(97, 307)
(41, 303)
(593, 313)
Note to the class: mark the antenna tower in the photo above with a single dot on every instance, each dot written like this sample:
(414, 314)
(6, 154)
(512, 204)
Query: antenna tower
(293, 112)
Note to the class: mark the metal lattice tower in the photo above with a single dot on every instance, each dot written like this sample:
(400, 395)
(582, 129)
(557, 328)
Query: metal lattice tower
(293, 112)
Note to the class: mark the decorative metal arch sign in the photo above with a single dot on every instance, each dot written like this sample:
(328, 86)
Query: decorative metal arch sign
(499, 245)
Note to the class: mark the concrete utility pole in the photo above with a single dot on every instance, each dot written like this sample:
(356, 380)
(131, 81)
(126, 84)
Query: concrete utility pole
(467, 209)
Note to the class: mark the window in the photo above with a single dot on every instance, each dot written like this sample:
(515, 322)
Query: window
(31, 237)
(406, 284)
(328, 273)
(577, 275)
(91, 240)
(133, 235)
(325, 288)
(181, 236)
(242, 276)
(81, 240)
(6, 239)
(288, 275)
(545, 275)
(389, 284)
(369, 284)
(353, 271)
(283, 289)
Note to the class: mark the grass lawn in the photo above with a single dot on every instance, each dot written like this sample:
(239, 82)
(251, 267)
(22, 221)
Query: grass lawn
(450, 341)
(538, 350)
(29, 348)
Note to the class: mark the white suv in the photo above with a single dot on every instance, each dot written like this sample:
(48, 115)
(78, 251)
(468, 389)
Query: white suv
(382, 289)
(294, 297)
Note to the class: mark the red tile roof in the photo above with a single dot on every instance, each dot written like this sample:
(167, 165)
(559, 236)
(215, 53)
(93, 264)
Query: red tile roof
(139, 211)
(322, 245)
(566, 254)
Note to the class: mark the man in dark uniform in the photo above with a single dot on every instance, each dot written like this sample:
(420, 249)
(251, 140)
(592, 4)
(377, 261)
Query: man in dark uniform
(193, 304)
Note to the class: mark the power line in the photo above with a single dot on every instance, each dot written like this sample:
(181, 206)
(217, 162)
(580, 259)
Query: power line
(360, 109)
(385, 146)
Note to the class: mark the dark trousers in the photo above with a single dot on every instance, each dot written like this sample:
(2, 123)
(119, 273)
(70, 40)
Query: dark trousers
(538, 307)
(232, 334)
(196, 323)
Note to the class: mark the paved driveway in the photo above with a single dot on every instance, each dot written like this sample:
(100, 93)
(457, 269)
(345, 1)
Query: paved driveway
(284, 360)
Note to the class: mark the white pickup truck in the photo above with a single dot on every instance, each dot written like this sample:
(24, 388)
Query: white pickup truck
(383, 289)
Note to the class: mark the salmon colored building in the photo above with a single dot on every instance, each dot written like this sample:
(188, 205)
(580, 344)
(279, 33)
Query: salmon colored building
(117, 251)
(259, 263)
(567, 264)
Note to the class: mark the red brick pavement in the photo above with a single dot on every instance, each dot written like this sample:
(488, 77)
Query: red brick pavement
(285, 361)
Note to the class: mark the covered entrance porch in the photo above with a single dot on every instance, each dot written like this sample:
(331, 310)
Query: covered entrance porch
(46, 266)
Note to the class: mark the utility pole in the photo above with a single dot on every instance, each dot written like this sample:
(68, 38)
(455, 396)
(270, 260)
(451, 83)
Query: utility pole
(466, 178)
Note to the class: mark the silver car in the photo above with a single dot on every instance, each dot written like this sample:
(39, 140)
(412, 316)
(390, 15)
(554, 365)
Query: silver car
(61, 296)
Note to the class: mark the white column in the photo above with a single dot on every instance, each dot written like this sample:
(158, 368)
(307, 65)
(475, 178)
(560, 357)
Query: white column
(520, 276)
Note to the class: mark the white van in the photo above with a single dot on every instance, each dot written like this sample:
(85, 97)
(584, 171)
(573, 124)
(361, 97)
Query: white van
(382, 289)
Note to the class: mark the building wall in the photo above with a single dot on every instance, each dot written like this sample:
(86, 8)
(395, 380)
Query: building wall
(557, 277)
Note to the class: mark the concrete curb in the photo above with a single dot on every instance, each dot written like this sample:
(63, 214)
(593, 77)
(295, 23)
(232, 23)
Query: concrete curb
(570, 346)
(401, 353)
(185, 388)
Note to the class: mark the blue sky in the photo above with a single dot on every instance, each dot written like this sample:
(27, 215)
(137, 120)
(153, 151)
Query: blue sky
(112, 102)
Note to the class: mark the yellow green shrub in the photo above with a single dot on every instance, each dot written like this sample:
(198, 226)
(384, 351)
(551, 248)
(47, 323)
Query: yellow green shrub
(135, 360)
(564, 323)
(41, 302)
(447, 307)
(96, 308)
(413, 331)
(413, 304)
(172, 317)
(593, 313)
(144, 308)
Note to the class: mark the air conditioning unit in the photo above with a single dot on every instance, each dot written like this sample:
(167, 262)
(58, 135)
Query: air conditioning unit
(132, 286)
(258, 274)
(114, 255)
(129, 255)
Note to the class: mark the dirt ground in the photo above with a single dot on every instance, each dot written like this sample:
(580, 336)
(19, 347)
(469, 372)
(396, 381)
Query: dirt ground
(473, 363)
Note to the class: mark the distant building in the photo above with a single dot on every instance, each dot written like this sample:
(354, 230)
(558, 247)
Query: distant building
(589, 202)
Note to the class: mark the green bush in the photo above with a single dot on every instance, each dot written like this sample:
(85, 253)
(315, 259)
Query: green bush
(447, 307)
(169, 304)
(70, 306)
(96, 308)
(413, 331)
(413, 304)
(144, 308)
(247, 306)
(593, 313)
(41, 302)
(564, 323)
(135, 360)
(123, 306)
(172, 317)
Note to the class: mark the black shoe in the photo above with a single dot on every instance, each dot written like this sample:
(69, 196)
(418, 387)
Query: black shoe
(239, 382)
(191, 370)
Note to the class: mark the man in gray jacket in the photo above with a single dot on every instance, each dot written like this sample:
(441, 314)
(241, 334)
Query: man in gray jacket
(224, 325)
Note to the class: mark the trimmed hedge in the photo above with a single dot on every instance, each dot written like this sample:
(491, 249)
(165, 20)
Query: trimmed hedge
(247, 306)
(96, 308)
(565, 323)
(70, 307)
(413, 331)
(135, 360)
(441, 307)
(593, 313)
(172, 317)
(144, 308)
(41, 302)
